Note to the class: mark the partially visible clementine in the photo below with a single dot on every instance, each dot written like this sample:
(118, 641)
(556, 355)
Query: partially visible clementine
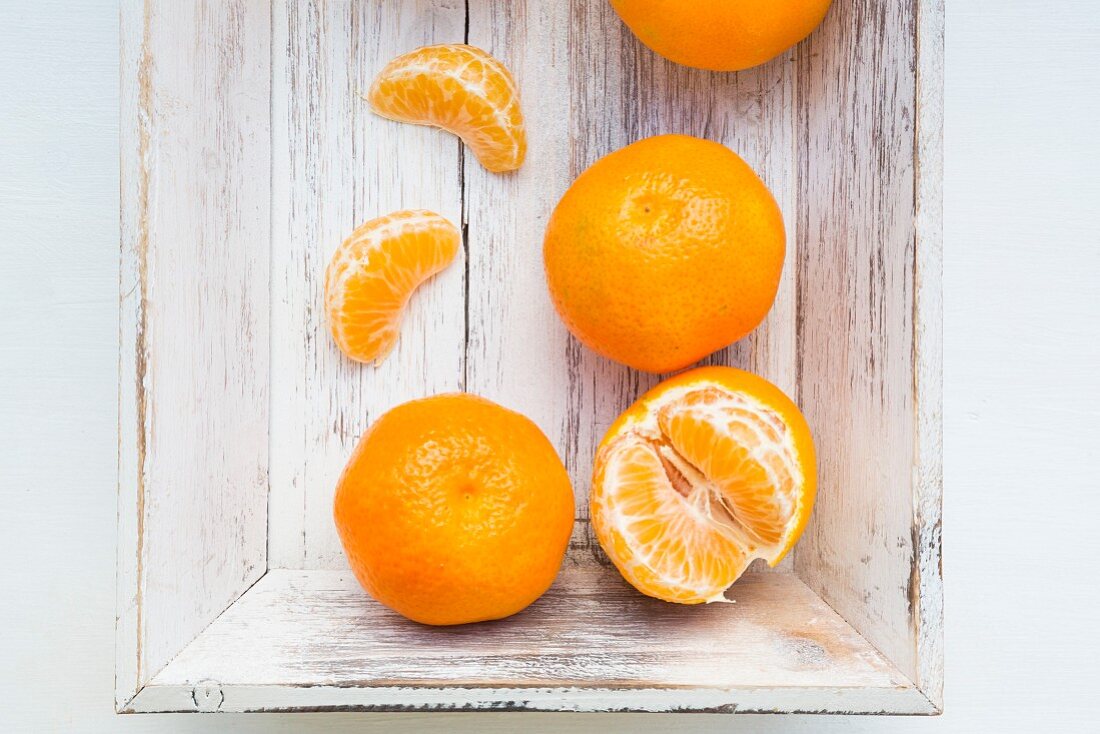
(721, 35)
(707, 471)
(664, 251)
(453, 509)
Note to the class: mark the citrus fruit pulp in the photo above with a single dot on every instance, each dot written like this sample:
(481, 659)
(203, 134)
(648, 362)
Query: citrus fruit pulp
(372, 275)
(462, 90)
(707, 471)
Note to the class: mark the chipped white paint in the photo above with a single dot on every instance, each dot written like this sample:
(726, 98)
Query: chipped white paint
(335, 165)
(927, 585)
(869, 348)
(517, 344)
(131, 410)
(760, 700)
(248, 156)
(194, 359)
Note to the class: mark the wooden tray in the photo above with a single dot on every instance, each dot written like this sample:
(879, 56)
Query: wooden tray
(247, 156)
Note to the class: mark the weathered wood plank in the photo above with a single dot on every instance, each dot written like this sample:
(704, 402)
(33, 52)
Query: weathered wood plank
(622, 92)
(132, 427)
(926, 589)
(308, 628)
(336, 165)
(194, 361)
(133, 174)
(515, 353)
(431, 700)
(857, 108)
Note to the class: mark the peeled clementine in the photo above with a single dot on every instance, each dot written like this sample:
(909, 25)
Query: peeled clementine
(372, 275)
(707, 471)
(453, 509)
(664, 251)
(721, 35)
(462, 90)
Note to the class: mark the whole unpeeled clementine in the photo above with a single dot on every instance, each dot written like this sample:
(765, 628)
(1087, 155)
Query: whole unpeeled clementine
(721, 35)
(664, 251)
(453, 509)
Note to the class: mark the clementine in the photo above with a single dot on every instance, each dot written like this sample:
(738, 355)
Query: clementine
(664, 251)
(453, 509)
(721, 35)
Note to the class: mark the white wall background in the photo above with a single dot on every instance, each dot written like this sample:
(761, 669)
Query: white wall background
(1022, 390)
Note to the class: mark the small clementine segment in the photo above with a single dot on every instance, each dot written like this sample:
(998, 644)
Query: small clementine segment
(453, 509)
(706, 472)
(374, 272)
(461, 89)
(721, 35)
(664, 251)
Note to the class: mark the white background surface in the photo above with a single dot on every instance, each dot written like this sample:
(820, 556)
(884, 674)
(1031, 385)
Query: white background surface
(1022, 386)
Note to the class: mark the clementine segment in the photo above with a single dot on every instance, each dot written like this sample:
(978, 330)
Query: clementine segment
(372, 275)
(664, 251)
(707, 471)
(453, 509)
(461, 89)
(721, 35)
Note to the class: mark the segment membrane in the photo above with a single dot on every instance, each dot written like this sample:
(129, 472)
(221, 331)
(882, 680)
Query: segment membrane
(691, 493)
(746, 454)
(685, 546)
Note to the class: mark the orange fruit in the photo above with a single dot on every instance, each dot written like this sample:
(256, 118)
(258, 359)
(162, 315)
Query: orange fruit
(374, 272)
(664, 251)
(461, 89)
(453, 509)
(707, 471)
(721, 35)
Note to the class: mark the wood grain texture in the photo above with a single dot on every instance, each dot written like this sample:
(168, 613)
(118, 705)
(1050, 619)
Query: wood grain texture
(517, 343)
(336, 165)
(132, 429)
(194, 356)
(231, 143)
(426, 700)
(299, 629)
(621, 92)
(858, 363)
(515, 349)
(926, 586)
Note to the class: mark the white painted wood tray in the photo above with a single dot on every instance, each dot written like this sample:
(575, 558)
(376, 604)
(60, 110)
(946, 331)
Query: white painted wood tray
(247, 156)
